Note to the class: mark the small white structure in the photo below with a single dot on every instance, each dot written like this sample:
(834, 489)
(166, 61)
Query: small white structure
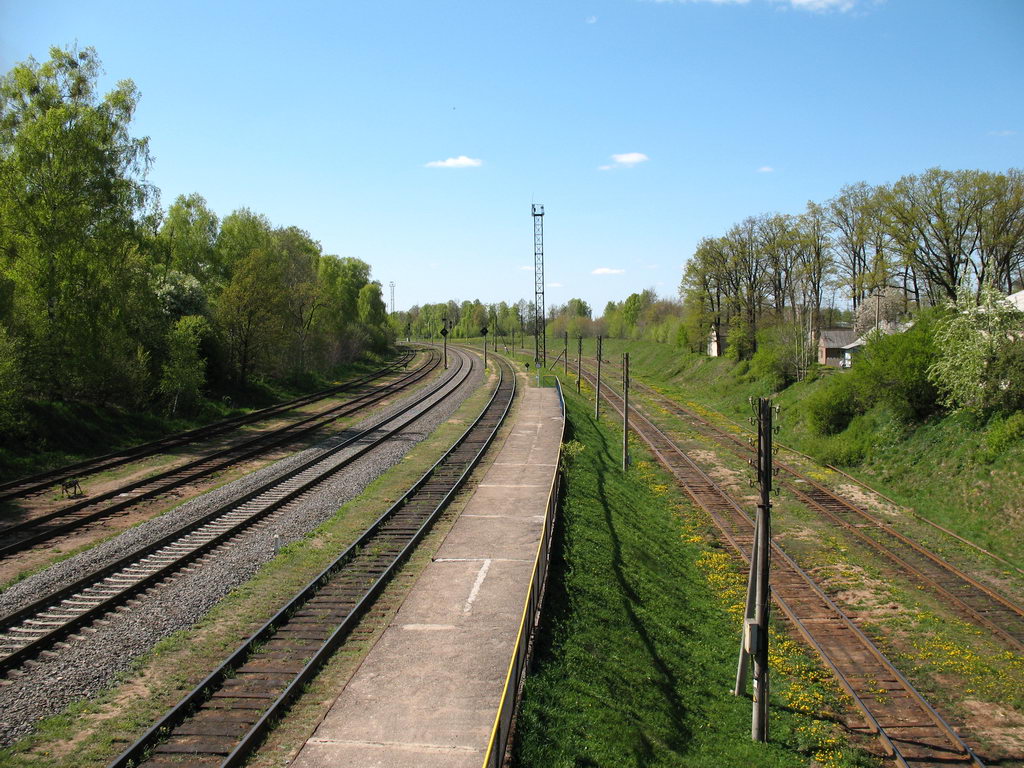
(716, 349)
(1017, 299)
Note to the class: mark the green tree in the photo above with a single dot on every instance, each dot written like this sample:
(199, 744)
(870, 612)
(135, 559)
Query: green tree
(71, 188)
(976, 341)
(249, 312)
(188, 239)
(241, 233)
(303, 294)
(184, 373)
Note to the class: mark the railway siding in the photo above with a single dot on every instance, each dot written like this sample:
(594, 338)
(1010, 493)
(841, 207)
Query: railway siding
(86, 663)
(907, 726)
(258, 681)
(43, 528)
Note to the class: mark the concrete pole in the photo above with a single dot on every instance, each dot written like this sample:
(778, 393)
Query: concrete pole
(759, 722)
(625, 411)
(748, 618)
(566, 361)
(579, 364)
(597, 399)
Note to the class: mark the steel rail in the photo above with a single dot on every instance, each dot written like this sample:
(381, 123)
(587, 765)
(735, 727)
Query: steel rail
(925, 738)
(30, 484)
(268, 671)
(45, 527)
(42, 622)
(970, 597)
(863, 485)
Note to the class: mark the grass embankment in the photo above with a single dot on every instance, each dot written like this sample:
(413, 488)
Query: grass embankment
(956, 472)
(636, 654)
(52, 434)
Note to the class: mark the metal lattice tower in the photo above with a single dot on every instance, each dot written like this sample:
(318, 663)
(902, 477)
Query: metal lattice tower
(392, 284)
(539, 320)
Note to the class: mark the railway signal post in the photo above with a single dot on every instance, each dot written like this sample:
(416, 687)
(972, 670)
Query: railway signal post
(754, 644)
(483, 332)
(444, 336)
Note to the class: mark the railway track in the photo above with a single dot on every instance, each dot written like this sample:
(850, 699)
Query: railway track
(907, 726)
(228, 714)
(34, 627)
(42, 481)
(43, 528)
(972, 600)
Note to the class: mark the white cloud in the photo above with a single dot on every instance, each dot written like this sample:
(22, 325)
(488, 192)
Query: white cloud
(766, 169)
(818, 6)
(625, 160)
(1003, 132)
(526, 268)
(607, 271)
(456, 162)
(554, 285)
(630, 158)
(591, 19)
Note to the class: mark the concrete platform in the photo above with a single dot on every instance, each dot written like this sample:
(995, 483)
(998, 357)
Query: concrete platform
(427, 693)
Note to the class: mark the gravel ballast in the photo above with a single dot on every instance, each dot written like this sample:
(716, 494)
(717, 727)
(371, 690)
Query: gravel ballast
(90, 661)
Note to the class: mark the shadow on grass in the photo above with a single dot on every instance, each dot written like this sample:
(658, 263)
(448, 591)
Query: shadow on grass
(667, 683)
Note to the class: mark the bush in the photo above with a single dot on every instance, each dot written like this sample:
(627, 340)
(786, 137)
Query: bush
(1007, 373)
(770, 366)
(979, 358)
(893, 369)
(843, 451)
(1001, 434)
(831, 409)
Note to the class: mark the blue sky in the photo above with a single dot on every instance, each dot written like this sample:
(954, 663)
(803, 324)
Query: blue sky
(328, 116)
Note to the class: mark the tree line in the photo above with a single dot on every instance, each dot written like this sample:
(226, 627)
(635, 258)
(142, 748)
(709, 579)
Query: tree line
(910, 244)
(106, 297)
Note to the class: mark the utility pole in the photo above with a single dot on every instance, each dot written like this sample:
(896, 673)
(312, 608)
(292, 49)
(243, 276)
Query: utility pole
(579, 364)
(754, 645)
(540, 345)
(625, 411)
(566, 348)
(597, 400)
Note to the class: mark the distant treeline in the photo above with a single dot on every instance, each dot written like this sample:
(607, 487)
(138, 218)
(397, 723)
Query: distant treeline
(106, 297)
(891, 248)
(869, 255)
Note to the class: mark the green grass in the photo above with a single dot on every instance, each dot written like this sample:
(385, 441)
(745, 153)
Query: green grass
(636, 653)
(961, 474)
